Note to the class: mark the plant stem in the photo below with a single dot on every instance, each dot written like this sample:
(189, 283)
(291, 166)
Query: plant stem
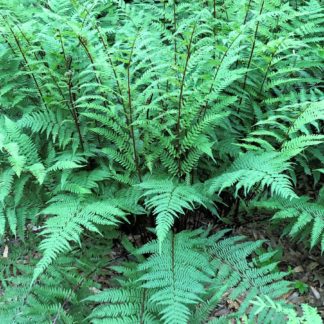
(72, 108)
(103, 42)
(174, 31)
(26, 63)
(83, 43)
(143, 307)
(247, 12)
(204, 107)
(244, 22)
(251, 54)
(8, 43)
(74, 111)
(181, 96)
(268, 68)
(130, 107)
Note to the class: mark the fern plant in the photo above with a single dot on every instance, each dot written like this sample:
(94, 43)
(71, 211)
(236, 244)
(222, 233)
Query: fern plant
(305, 219)
(152, 118)
(187, 279)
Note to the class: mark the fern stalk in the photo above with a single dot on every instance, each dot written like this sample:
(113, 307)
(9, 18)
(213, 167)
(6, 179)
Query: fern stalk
(174, 31)
(26, 62)
(84, 45)
(251, 54)
(103, 42)
(181, 96)
(204, 107)
(247, 12)
(244, 22)
(130, 107)
(143, 307)
(74, 111)
(8, 43)
(44, 64)
(63, 49)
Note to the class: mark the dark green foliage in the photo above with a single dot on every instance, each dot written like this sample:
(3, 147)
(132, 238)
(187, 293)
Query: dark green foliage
(137, 117)
(187, 279)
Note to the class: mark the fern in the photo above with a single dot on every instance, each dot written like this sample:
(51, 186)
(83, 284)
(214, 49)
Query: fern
(69, 223)
(55, 296)
(305, 219)
(153, 117)
(128, 304)
(170, 286)
(178, 275)
(168, 200)
(309, 315)
(250, 169)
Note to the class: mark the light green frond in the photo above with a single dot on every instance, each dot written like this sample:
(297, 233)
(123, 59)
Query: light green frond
(168, 199)
(250, 169)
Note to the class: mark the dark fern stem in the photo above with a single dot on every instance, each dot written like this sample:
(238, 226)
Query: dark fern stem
(72, 108)
(244, 22)
(251, 55)
(130, 107)
(178, 128)
(204, 107)
(8, 43)
(17, 41)
(175, 30)
(120, 97)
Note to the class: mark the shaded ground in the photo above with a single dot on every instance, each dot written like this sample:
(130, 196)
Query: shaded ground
(306, 266)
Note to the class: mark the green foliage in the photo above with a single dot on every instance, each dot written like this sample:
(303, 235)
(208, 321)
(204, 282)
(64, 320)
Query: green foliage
(186, 280)
(301, 287)
(305, 220)
(70, 220)
(169, 200)
(309, 315)
(250, 169)
(152, 118)
(55, 297)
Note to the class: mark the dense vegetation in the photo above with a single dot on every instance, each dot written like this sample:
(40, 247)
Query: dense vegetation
(134, 137)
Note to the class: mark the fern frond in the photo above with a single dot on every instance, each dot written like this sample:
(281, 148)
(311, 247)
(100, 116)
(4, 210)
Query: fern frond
(305, 219)
(168, 199)
(267, 306)
(72, 218)
(129, 304)
(176, 275)
(250, 169)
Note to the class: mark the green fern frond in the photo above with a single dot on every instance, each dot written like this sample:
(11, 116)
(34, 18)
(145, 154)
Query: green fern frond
(250, 169)
(305, 219)
(168, 199)
(176, 274)
(267, 306)
(72, 218)
(129, 304)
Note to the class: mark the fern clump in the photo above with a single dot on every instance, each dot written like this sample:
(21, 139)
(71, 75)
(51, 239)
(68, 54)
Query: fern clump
(165, 122)
(187, 279)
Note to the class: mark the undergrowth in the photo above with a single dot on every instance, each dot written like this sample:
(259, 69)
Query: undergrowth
(125, 120)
